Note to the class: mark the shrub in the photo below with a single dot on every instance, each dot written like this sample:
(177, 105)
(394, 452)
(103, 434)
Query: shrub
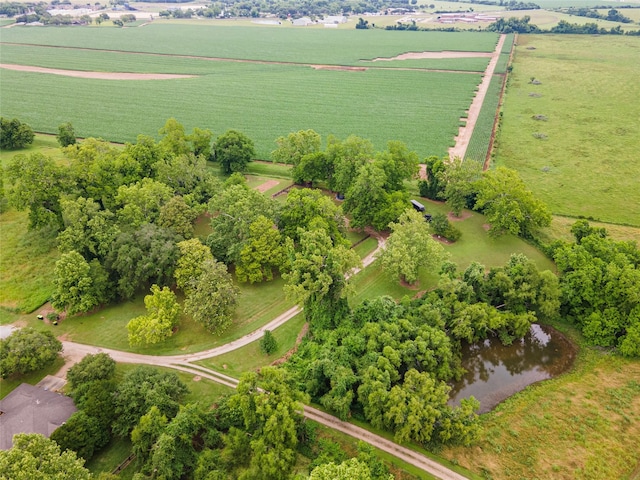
(14, 134)
(268, 343)
(443, 228)
(66, 135)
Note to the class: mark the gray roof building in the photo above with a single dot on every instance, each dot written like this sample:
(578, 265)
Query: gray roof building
(30, 409)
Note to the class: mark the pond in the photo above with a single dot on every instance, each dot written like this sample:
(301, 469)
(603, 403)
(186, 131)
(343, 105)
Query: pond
(496, 371)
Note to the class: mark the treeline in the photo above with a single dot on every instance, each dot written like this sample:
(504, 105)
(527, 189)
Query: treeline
(523, 25)
(389, 363)
(258, 432)
(612, 15)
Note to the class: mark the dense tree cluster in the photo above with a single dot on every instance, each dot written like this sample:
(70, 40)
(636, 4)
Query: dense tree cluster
(600, 283)
(371, 183)
(120, 213)
(35, 456)
(14, 134)
(27, 350)
(389, 363)
(500, 194)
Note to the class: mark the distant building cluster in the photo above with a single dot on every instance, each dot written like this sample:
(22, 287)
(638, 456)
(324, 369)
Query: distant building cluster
(468, 17)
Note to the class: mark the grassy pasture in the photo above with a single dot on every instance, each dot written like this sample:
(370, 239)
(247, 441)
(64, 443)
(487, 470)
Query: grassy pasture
(27, 261)
(587, 165)
(264, 101)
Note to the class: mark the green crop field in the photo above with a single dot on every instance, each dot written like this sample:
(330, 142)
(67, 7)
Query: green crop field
(583, 160)
(335, 47)
(277, 92)
(479, 142)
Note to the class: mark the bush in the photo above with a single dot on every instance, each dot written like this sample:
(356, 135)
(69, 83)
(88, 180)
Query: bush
(66, 135)
(91, 368)
(443, 228)
(268, 343)
(14, 134)
(27, 350)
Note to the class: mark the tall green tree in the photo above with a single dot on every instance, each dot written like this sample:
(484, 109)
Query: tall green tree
(178, 217)
(317, 277)
(346, 158)
(232, 213)
(35, 456)
(296, 145)
(193, 254)
(81, 434)
(431, 186)
(79, 285)
(410, 247)
(508, 205)
(399, 164)
(90, 369)
(233, 150)
(163, 314)
(262, 253)
(66, 134)
(14, 134)
(142, 388)
(212, 297)
(36, 183)
(146, 255)
(174, 138)
(272, 412)
(27, 350)
(89, 230)
(146, 433)
(458, 177)
(141, 202)
(306, 209)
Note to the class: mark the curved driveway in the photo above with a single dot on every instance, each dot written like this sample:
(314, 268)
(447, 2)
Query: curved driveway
(76, 351)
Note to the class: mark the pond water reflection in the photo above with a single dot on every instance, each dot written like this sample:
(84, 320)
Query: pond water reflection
(496, 371)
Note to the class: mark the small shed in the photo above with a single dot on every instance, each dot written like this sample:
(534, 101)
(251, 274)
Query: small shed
(417, 205)
(30, 409)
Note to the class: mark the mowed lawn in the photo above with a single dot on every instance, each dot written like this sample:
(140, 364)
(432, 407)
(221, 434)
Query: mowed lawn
(586, 163)
(420, 107)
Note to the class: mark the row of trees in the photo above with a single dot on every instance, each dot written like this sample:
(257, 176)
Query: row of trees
(371, 183)
(499, 194)
(600, 283)
(524, 25)
(259, 432)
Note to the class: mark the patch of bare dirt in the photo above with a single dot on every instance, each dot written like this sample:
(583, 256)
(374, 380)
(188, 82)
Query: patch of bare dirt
(463, 216)
(440, 239)
(422, 174)
(339, 67)
(95, 75)
(287, 356)
(486, 226)
(267, 185)
(197, 378)
(433, 55)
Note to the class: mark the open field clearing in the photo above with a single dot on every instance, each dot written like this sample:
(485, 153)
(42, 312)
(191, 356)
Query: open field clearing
(581, 425)
(573, 137)
(421, 109)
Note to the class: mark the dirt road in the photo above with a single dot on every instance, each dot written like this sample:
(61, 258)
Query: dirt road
(74, 352)
(464, 134)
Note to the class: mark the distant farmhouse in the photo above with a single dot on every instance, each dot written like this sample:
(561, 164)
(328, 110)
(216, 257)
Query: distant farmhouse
(30, 409)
